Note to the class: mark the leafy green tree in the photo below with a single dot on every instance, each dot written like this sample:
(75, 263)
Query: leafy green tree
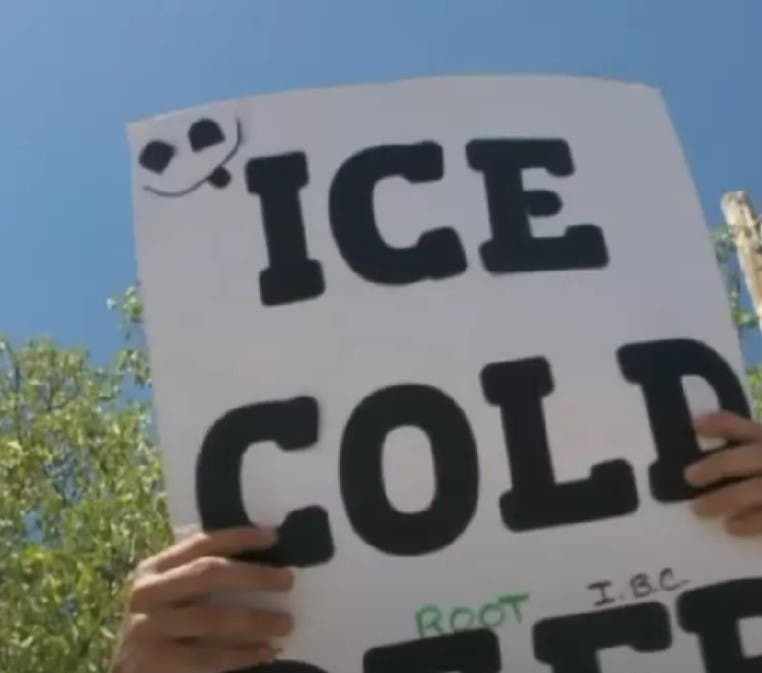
(81, 498)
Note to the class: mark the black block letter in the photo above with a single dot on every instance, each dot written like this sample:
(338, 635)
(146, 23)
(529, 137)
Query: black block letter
(512, 247)
(466, 652)
(304, 538)
(713, 613)
(536, 500)
(659, 367)
(284, 666)
(456, 470)
(571, 644)
(437, 254)
(292, 276)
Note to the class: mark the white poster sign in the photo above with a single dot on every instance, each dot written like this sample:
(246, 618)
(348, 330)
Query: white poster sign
(449, 334)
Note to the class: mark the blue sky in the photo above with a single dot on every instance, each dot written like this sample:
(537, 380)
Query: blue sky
(74, 72)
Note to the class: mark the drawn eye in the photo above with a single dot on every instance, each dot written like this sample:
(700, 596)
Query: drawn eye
(205, 133)
(156, 156)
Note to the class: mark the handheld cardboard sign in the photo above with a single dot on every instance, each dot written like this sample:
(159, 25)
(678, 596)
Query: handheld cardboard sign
(449, 334)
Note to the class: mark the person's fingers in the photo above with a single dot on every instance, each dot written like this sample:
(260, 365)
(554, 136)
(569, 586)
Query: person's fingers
(730, 500)
(745, 525)
(226, 542)
(212, 623)
(744, 461)
(204, 576)
(728, 426)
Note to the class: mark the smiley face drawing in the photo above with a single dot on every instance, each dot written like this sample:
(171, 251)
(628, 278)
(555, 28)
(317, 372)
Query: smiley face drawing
(178, 167)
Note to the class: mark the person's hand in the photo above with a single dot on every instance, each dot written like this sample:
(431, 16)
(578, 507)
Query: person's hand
(738, 504)
(171, 628)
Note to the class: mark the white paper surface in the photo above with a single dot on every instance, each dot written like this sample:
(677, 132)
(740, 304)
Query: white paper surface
(215, 346)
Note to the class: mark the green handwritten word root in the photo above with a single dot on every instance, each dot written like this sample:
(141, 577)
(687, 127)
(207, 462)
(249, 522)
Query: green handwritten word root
(432, 620)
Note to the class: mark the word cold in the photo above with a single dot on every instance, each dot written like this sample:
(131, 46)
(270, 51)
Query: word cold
(535, 501)
(293, 276)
